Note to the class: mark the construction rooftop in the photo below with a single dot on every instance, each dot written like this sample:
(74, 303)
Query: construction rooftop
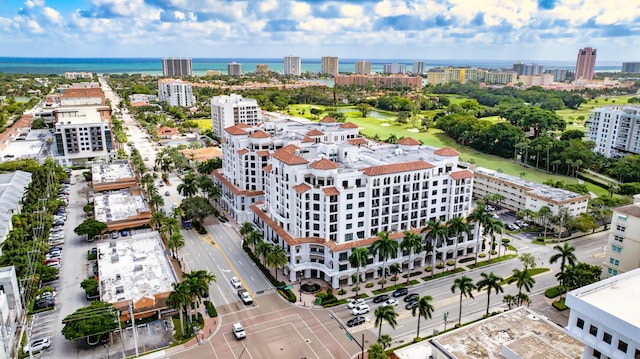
(517, 333)
(134, 268)
(119, 205)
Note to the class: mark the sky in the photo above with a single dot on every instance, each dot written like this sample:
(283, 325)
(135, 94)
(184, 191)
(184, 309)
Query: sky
(522, 30)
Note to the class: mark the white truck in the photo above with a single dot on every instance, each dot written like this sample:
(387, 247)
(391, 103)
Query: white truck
(238, 331)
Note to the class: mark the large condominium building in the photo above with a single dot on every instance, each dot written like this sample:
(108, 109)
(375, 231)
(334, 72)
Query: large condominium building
(528, 69)
(418, 67)
(466, 74)
(234, 69)
(175, 92)
(559, 75)
(622, 252)
(319, 190)
(176, 67)
(330, 65)
(381, 81)
(394, 68)
(228, 110)
(363, 67)
(292, 65)
(615, 130)
(262, 68)
(604, 317)
(536, 80)
(520, 194)
(585, 64)
(633, 67)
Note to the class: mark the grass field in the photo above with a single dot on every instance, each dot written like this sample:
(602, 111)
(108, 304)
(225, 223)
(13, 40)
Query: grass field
(572, 116)
(203, 124)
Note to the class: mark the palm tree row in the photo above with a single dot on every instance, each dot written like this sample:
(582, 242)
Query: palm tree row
(188, 294)
(272, 255)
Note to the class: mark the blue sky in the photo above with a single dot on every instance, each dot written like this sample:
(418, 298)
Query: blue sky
(526, 30)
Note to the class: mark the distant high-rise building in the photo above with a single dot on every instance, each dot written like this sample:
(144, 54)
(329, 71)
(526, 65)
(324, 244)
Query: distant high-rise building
(586, 63)
(528, 69)
(176, 67)
(175, 92)
(363, 67)
(559, 75)
(633, 67)
(330, 65)
(394, 68)
(418, 67)
(234, 69)
(292, 65)
(229, 110)
(262, 68)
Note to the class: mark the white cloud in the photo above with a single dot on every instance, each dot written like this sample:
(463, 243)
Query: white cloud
(300, 9)
(52, 14)
(33, 3)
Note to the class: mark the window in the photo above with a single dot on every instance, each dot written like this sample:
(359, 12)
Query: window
(361, 224)
(342, 256)
(360, 214)
(637, 354)
(622, 346)
(349, 225)
(593, 330)
(349, 215)
(348, 237)
(349, 206)
(350, 196)
(360, 204)
(361, 194)
(616, 249)
(597, 354)
(606, 337)
(580, 323)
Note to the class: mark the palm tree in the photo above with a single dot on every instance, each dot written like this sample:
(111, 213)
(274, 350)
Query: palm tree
(411, 242)
(385, 313)
(245, 229)
(457, 227)
(394, 269)
(178, 299)
(424, 310)
(384, 248)
(493, 226)
(480, 217)
(523, 280)
(156, 220)
(276, 258)
(544, 212)
(491, 281)
(156, 201)
(528, 260)
(359, 258)
(437, 231)
(189, 186)
(198, 283)
(509, 299)
(263, 249)
(565, 255)
(147, 180)
(175, 242)
(169, 225)
(521, 298)
(465, 285)
(254, 238)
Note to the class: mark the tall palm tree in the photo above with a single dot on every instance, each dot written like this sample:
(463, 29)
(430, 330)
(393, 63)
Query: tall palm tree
(178, 299)
(359, 258)
(254, 238)
(189, 185)
(528, 260)
(394, 269)
(276, 258)
(412, 243)
(175, 242)
(384, 248)
(480, 216)
(263, 249)
(246, 228)
(465, 285)
(437, 232)
(458, 227)
(198, 283)
(169, 225)
(491, 228)
(156, 220)
(491, 281)
(385, 313)
(566, 256)
(544, 212)
(523, 280)
(156, 201)
(147, 180)
(424, 310)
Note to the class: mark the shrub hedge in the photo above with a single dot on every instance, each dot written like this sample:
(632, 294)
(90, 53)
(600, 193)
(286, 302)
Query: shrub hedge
(552, 292)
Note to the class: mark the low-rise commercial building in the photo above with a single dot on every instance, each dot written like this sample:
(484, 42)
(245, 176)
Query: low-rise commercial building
(111, 176)
(122, 209)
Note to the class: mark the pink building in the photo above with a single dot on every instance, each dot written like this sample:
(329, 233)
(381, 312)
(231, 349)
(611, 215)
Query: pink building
(586, 63)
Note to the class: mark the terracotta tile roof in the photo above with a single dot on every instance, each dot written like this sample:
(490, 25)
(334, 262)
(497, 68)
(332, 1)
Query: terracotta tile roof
(269, 222)
(331, 191)
(242, 125)
(235, 130)
(260, 134)
(325, 164)
(328, 119)
(348, 125)
(357, 141)
(262, 153)
(267, 168)
(301, 188)
(397, 167)
(291, 148)
(409, 141)
(217, 174)
(166, 131)
(458, 175)
(307, 139)
(315, 132)
(288, 157)
(243, 151)
(446, 151)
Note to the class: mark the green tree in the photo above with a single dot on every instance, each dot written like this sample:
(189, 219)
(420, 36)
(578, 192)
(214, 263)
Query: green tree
(254, 238)
(465, 285)
(175, 242)
(359, 258)
(179, 299)
(491, 228)
(457, 228)
(90, 227)
(198, 282)
(565, 254)
(90, 286)
(376, 351)
(276, 258)
(481, 217)
(197, 209)
(157, 218)
(523, 280)
(189, 185)
(245, 229)
(364, 109)
(384, 248)
(509, 300)
(263, 249)
(437, 232)
(490, 281)
(544, 212)
(424, 309)
(97, 319)
(385, 313)
(528, 260)
(411, 242)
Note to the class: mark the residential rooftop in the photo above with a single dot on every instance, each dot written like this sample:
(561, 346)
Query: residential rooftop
(516, 333)
(134, 268)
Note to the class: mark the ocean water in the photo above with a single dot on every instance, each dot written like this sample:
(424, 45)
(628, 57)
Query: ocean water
(153, 66)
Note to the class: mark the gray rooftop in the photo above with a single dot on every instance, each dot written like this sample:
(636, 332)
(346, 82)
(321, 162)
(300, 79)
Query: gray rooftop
(118, 205)
(111, 172)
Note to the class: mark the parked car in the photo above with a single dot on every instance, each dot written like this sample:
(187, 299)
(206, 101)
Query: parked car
(53, 249)
(512, 227)
(400, 292)
(361, 309)
(522, 224)
(238, 331)
(381, 298)
(235, 282)
(37, 345)
(167, 193)
(411, 297)
(55, 265)
(355, 321)
(56, 242)
(114, 235)
(355, 302)
(411, 304)
(391, 301)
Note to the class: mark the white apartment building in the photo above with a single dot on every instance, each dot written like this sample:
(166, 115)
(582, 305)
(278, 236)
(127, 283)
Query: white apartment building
(363, 67)
(228, 110)
(83, 134)
(395, 68)
(319, 190)
(520, 194)
(177, 67)
(418, 67)
(615, 130)
(604, 317)
(292, 65)
(622, 253)
(330, 65)
(10, 312)
(175, 92)
(234, 69)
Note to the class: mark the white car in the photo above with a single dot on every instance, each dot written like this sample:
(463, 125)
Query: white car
(238, 331)
(38, 345)
(235, 283)
(355, 302)
(361, 309)
(392, 302)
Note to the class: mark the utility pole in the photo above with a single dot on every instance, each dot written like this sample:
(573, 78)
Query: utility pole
(359, 344)
(133, 326)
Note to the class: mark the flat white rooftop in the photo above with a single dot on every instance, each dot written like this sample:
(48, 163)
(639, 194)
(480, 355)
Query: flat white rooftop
(118, 205)
(134, 268)
(111, 172)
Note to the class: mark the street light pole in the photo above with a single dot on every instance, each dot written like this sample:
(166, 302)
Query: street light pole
(360, 344)
(300, 285)
(445, 320)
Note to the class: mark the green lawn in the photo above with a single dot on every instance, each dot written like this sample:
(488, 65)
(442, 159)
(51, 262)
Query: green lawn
(571, 116)
(204, 124)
